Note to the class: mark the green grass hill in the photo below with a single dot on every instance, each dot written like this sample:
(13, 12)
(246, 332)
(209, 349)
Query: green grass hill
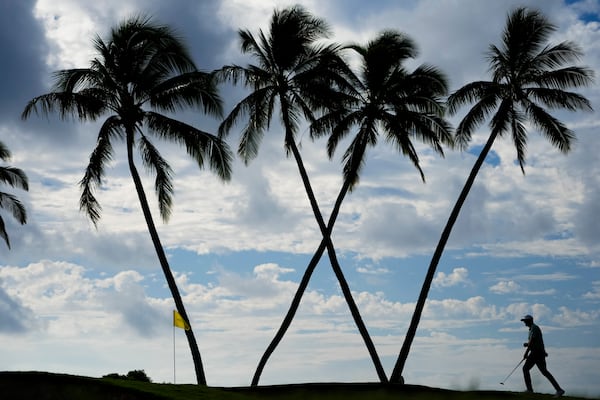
(48, 386)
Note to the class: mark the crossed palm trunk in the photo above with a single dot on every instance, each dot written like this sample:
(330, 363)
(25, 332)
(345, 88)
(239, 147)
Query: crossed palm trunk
(325, 243)
(164, 263)
(396, 376)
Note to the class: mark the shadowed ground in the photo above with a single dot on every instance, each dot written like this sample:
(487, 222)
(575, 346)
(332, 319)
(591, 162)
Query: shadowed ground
(47, 386)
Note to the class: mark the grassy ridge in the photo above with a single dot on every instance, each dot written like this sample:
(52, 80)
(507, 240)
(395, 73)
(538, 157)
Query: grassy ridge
(47, 386)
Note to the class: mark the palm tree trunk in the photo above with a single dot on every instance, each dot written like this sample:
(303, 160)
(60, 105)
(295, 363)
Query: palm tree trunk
(325, 243)
(396, 376)
(200, 377)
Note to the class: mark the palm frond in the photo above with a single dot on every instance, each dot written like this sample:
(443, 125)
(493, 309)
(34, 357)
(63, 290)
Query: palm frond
(556, 56)
(354, 156)
(407, 148)
(14, 177)
(470, 93)
(556, 98)
(487, 100)
(555, 131)
(12, 204)
(3, 233)
(564, 78)
(258, 107)
(163, 184)
(85, 108)
(191, 89)
(526, 31)
(430, 129)
(292, 31)
(4, 152)
(94, 172)
(341, 129)
(249, 45)
(200, 145)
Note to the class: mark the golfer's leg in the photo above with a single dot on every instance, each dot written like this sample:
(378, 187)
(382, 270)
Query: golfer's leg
(529, 363)
(544, 370)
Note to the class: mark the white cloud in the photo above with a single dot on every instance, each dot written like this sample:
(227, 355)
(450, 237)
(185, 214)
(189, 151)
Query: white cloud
(593, 294)
(233, 321)
(567, 317)
(372, 270)
(556, 277)
(504, 287)
(456, 277)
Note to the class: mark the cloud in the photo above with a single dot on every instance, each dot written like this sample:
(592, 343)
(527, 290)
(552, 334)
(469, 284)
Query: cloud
(567, 317)
(504, 287)
(372, 270)
(127, 298)
(23, 46)
(456, 277)
(555, 277)
(593, 294)
(14, 317)
(234, 319)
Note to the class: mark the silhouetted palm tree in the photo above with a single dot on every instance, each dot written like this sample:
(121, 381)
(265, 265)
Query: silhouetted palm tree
(529, 78)
(141, 71)
(13, 177)
(296, 72)
(382, 98)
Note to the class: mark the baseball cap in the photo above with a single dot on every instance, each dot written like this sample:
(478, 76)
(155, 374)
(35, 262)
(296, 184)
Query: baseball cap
(527, 317)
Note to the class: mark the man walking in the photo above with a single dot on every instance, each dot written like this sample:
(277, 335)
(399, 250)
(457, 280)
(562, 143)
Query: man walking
(535, 354)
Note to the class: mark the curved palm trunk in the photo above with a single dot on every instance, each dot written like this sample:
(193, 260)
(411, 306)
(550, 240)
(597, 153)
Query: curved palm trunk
(396, 376)
(325, 243)
(287, 321)
(200, 377)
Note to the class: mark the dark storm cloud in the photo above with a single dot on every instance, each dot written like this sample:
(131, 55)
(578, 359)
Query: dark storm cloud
(14, 317)
(198, 25)
(23, 46)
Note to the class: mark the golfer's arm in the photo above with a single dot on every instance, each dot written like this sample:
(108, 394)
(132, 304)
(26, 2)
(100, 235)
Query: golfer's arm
(528, 344)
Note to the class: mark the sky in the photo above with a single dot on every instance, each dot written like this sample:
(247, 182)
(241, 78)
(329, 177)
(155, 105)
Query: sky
(92, 301)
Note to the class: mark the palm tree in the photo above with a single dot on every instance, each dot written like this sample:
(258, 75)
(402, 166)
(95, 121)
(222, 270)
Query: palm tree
(16, 178)
(384, 97)
(529, 78)
(141, 71)
(296, 72)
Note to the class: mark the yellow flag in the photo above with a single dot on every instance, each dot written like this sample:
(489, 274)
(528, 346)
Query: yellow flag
(179, 322)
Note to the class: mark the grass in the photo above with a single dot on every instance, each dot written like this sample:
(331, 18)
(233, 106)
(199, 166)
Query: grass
(48, 386)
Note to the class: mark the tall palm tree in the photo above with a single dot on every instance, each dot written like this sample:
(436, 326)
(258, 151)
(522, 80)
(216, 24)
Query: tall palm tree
(296, 72)
(142, 71)
(13, 177)
(529, 78)
(382, 98)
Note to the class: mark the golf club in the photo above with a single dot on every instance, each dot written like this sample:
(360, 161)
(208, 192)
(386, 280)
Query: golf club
(511, 372)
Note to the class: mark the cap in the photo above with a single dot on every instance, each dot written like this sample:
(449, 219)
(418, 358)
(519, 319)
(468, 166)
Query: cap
(527, 317)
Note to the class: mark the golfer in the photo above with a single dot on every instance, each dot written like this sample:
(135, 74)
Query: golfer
(535, 354)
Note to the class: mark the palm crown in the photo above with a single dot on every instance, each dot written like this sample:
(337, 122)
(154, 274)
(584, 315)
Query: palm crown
(142, 65)
(291, 69)
(529, 77)
(385, 97)
(16, 178)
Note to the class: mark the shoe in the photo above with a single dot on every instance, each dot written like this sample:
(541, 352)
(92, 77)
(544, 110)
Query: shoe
(559, 393)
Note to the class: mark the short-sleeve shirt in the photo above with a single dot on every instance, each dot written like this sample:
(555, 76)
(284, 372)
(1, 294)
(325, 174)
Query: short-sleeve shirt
(536, 342)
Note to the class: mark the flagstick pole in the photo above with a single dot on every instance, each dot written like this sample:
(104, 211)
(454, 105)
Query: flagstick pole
(174, 363)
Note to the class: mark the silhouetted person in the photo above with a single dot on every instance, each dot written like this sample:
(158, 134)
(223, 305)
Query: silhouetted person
(535, 354)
